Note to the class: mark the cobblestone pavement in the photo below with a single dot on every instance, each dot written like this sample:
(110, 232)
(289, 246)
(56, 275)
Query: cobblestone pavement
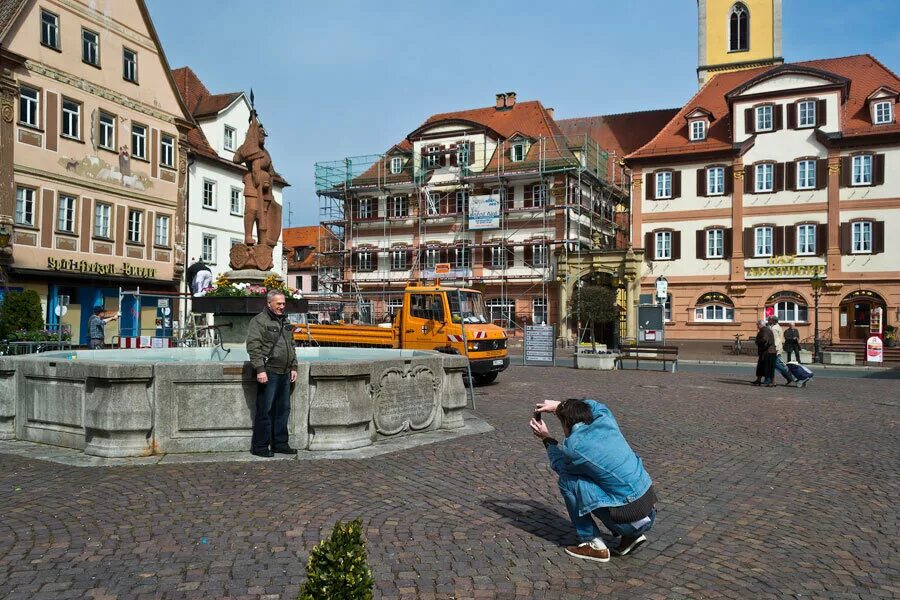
(765, 493)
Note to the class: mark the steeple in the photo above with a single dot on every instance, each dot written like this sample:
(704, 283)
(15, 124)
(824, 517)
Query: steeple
(734, 35)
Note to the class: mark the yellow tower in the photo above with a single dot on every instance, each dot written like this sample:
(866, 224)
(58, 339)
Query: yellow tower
(737, 34)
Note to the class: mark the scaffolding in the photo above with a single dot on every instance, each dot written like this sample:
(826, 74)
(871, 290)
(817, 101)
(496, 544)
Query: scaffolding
(389, 218)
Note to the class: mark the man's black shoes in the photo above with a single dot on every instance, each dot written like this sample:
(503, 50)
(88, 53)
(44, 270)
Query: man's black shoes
(265, 453)
(284, 450)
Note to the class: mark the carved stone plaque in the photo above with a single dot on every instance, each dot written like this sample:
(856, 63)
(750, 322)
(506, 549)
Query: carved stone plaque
(405, 399)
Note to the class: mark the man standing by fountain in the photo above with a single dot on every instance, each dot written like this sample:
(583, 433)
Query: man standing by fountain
(270, 344)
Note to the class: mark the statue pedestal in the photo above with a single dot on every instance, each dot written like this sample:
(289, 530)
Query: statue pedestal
(244, 257)
(250, 276)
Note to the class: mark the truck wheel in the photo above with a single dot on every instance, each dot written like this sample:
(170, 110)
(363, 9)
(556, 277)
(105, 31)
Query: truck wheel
(485, 378)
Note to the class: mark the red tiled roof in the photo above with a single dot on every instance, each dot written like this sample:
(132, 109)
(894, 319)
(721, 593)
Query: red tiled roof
(528, 117)
(622, 133)
(212, 104)
(189, 86)
(865, 73)
(303, 237)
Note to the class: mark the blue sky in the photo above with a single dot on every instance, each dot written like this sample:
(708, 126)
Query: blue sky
(339, 78)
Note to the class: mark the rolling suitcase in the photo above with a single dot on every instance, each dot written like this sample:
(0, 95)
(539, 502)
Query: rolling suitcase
(801, 373)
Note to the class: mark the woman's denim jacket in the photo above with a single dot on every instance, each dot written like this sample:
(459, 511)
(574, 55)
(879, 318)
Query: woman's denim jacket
(608, 471)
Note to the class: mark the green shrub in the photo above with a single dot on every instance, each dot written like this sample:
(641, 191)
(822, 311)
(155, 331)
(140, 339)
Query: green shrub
(21, 311)
(337, 567)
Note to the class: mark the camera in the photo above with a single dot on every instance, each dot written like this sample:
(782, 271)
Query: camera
(537, 415)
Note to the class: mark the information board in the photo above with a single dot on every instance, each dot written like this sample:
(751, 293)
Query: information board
(484, 212)
(540, 344)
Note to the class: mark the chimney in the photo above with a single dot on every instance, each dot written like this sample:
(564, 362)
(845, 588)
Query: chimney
(550, 111)
(501, 101)
(510, 99)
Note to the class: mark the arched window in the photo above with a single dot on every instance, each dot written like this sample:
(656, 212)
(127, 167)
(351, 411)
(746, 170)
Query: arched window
(712, 307)
(787, 306)
(739, 28)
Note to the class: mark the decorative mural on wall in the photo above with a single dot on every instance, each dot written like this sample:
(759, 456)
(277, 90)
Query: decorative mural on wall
(94, 167)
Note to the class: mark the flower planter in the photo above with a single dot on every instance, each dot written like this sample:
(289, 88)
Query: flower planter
(242, 305)
(596, 362)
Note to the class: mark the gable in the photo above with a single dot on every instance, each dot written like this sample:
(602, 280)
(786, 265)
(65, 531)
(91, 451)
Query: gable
(788, 81)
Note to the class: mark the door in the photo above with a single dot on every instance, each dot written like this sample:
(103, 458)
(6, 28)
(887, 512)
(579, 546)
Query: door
(856, 316)
(426, 318)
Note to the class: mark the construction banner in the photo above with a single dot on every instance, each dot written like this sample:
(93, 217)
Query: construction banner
(484, 212)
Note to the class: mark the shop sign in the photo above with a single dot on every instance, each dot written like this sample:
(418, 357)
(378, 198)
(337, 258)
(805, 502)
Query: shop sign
(784, 267)
(874, 349)
(96, 268)
(484, 212)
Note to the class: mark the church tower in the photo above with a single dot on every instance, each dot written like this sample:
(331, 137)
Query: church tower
(734, 35)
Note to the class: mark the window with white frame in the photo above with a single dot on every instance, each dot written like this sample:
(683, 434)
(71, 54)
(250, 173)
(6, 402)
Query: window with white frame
(398, 259)
(764, 178)
(229, 136)
(90, 47)
(501, 312)
(884, 112)
(366, 208)
(161, 231)
(806, 113)
(715, 181)
(539, 311)
(399, 206)
(29, 106)
(862, 237)
(862, 169)
(25, 206)
(135, 225)
(462, 201)
(664, 184)
(498, 257)
(71, 119)
(129, 65)
(462, 155)
(209, 194)
(106, 125)
(167, 150)
(396, 165)
(714, 312)
(663, 245)
(539, 194)
(432, 156)
(517, 152)
(698, 130)
(715, 243)
(791, 312)
(50, 29)
(762, 241)
(462, 257)
(764, 118)
(238, 242)
(65, 213)
(394, 305)
(806, 174)
(539, 255)
(432, 257)
(806, 240)
(364, 261)
(102, 214)
(432, 203)
(139, 141)
(208, 249)
(235, 203)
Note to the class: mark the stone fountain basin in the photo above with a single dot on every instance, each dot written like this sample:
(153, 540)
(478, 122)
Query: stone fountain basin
(120, 403)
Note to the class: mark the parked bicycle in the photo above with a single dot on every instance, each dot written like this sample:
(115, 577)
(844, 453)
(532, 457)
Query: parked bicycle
(737, 348)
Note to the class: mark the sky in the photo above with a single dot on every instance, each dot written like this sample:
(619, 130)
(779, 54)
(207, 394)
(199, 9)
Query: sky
(336, 78)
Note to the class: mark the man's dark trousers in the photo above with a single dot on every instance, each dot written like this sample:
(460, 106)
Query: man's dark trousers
(273, 408)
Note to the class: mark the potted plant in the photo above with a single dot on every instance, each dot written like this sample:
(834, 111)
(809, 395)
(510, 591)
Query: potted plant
(594, 305)
(230, 298)
(890, 336)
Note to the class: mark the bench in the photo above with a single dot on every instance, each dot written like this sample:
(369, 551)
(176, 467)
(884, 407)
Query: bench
(663, 354)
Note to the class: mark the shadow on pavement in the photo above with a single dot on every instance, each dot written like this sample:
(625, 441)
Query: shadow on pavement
(534, 518)
(743, 382)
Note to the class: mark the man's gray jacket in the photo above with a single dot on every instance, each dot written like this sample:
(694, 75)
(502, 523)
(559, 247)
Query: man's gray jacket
(270, 344)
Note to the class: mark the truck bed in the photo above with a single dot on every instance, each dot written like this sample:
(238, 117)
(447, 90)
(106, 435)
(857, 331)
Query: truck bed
(361, 336)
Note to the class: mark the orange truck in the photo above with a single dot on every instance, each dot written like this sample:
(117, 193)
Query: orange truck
(433, 317)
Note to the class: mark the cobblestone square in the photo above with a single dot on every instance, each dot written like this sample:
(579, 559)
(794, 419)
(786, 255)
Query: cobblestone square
(764, 493)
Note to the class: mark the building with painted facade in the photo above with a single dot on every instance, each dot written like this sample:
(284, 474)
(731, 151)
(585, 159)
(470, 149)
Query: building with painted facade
(92, 160)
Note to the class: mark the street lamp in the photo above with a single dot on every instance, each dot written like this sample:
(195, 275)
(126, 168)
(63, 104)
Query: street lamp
(5, 236)
(816, 283)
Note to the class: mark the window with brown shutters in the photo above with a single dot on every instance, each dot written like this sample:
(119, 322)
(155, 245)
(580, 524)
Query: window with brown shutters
(821, 238)
(778, 117)
(862, 169)
(778, 180)
(650, 186)
(701, 182)
(790, 176)
(649, 246)
(778, 241)
(713, 243)
(821, 116)
(792, 110)
(862, 236)
(665, 245)
(821, 173)
(749, 121)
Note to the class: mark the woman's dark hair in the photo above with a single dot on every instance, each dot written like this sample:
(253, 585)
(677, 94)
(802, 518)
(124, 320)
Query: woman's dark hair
(573, 410)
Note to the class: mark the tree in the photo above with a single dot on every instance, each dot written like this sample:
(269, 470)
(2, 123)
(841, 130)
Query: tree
(595, 305)
(21, 311)
(337, 568)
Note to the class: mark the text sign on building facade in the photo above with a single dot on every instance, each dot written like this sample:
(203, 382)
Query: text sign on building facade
(540, 343)
(786, 267)
(484, 212)
(96, 268)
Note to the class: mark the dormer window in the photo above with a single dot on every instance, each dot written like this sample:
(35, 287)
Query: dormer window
(883, 112)
(806, 113)
(517, 153)
(432, 157)
(698, 130)
(396, 165)
(764, 121)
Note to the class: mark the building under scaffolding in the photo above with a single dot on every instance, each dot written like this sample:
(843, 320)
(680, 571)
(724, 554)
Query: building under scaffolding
(494, 198)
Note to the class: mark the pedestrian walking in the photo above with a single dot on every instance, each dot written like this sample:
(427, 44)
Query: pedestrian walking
(599, 475)
(792, 342)
(765, 350)
(270, 345)
(778, 335)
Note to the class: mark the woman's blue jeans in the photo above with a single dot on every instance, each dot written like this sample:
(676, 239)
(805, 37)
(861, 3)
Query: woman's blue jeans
(585, 526)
